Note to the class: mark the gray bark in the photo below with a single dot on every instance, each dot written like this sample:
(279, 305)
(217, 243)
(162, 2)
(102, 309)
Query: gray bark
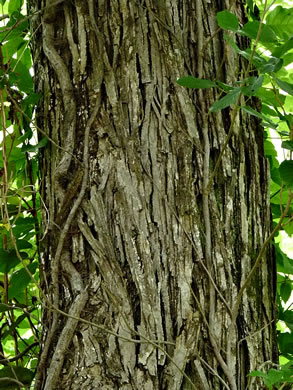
(132, 243)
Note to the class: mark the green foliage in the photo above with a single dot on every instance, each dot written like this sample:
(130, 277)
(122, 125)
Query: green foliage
(20, 201)
(9, 374)
(270, 55)
(276, 377)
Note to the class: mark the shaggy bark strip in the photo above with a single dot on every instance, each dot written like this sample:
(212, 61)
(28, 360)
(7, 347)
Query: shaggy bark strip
(135, 243)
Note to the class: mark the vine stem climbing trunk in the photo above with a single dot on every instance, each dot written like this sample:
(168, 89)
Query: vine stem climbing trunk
(134, 243)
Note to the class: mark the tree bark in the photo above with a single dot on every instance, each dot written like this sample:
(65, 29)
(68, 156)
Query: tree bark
(132, 242)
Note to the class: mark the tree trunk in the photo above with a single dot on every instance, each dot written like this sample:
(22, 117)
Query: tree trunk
(132, 242)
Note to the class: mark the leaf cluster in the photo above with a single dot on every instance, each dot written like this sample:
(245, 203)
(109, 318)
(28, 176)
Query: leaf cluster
(20, 202)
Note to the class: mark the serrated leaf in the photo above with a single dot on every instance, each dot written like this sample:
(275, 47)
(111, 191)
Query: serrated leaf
(227, 20)
(226, 101)
(286, 172)
(193, 82)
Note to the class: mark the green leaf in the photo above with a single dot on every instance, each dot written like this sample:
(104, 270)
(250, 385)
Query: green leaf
(272, 65)
(285, 265)
(287, 145)
(289, 229)
(285, 291)
(226, 101)
(267, 95)
(225, 87)
(11, 47)
(24, 55)
(286, 172)
(24, 226)
(250, 4)
(267, 34)
(274, 376)
(192, 82)
(14, 6)
(285, 341)
(275, 176)
(21, 76)
(24, 375)
(284, 86)
(34, 148)
(8, 260)
(4, 307)
(31, 99)
(227, 20)
(254, 83)
(280, 20)
(266, 110)
(20, 280)
(287, 317)
(257, 59)
(259, 115)
(258, 373)
(281, 50)
(16, 30)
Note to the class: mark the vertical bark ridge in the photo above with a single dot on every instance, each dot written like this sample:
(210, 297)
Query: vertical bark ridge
(138, 239)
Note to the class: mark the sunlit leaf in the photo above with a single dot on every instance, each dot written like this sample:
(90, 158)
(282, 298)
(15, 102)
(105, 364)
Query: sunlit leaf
(267, 34)
(227, 20)
(280, 20)
(14, 6)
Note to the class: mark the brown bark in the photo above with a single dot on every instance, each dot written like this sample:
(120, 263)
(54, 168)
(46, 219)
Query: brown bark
(132, 242)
